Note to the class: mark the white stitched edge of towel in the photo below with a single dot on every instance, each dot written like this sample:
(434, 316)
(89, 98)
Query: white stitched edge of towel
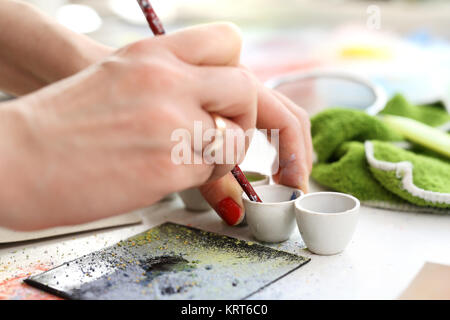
(404, 171)
(445, 127)
(402, 207)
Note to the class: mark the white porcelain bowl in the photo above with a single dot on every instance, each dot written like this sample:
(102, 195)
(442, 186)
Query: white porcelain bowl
(273, 220)
(327, 221)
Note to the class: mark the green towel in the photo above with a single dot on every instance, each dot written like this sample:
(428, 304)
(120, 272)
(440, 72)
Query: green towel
(359, 154)
(431, 114)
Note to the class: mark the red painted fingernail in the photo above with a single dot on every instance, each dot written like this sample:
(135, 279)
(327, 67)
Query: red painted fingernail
(229, 211)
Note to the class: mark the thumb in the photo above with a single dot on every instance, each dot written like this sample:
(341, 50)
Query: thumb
(225, 196)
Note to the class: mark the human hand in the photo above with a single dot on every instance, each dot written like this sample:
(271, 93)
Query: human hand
(99, 143)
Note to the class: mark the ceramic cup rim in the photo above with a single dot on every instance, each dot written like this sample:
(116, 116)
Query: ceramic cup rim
(262, 175)
(272, 186)
(353, 209)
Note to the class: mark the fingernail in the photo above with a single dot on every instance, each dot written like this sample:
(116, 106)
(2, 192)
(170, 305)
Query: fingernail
(305, 185)
(229, 211)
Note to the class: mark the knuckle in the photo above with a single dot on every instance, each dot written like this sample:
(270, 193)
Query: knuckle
(230, 29)
(303, 118)
(164, 118)
(303, 114)
(112, 64)
(299, 126)
(249, 81)
(151, 72)
(306, 122)
(158, 75)
(247, 75)
(139, 47)
(293, 122)
(230, 32)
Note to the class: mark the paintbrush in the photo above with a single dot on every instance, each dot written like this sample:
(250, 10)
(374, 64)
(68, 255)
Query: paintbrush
(158, 29)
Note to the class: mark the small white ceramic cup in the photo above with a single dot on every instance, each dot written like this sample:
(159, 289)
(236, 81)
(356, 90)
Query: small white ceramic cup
(193, 200)
(273, 220)
(327, 221)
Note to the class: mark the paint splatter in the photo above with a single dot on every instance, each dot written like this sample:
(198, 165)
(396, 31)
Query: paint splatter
(15, 289)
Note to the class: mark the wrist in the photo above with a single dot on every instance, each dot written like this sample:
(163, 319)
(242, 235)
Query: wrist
(12, 128)
(83, 53)
(15, 162)
(88, 52)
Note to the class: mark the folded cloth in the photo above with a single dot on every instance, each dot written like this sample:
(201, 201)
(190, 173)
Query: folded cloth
(358, 154)
(431, 114)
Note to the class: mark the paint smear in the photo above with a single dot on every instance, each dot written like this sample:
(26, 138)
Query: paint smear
(15, 289)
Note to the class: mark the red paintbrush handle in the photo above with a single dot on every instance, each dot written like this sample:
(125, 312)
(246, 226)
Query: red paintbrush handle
(245, 184)
(152, 19)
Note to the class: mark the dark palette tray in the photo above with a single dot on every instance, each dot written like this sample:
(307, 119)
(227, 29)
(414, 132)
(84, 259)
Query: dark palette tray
(171, 261)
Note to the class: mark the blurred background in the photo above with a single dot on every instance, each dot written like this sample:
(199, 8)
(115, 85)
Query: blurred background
(402, 45)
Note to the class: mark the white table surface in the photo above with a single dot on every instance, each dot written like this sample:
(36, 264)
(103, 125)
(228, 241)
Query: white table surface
(387, 251)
